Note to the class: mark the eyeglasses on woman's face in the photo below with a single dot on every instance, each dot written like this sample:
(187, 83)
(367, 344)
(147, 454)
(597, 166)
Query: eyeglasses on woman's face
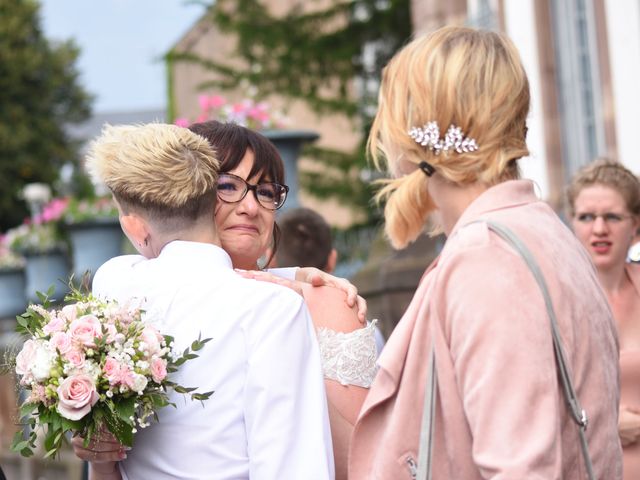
(610, 218)
(232, 189)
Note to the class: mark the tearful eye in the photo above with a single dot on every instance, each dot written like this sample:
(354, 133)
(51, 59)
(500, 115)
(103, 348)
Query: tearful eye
(268, 192)
(226, 186)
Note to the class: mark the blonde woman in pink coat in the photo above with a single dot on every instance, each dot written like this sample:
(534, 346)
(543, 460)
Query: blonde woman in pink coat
(451, 126)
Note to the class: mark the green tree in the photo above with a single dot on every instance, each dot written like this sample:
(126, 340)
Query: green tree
(315, 56)
(40, 94)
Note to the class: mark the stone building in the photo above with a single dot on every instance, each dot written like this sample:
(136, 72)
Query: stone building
(583, 62)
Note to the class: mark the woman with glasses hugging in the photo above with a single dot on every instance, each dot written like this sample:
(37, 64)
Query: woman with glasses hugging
(250, 190)
(604, 207)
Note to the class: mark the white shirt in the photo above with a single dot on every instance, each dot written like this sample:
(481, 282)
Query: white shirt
(268, 416)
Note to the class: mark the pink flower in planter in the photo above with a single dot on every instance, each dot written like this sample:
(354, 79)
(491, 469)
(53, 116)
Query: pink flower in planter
(54, 209)
(203, 101)
(216, 101)
(182, 122)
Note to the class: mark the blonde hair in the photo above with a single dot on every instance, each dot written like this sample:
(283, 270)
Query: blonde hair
(165, 170)
(455, 76)
(610, 173)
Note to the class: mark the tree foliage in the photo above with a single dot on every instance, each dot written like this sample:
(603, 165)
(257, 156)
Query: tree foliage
(39, 94)
(329, 55)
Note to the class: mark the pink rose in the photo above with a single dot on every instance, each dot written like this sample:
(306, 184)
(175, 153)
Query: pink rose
(26, 357)
(125, 376)
(112, 331)
(152, 338)
(85, 330)
(61, 341)
(70, 312)
(76, 395)
(111, 370)
(158, 369)
(56, 324)
(75, 357)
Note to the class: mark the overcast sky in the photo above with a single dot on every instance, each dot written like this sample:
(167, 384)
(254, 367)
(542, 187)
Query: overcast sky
(122, 42)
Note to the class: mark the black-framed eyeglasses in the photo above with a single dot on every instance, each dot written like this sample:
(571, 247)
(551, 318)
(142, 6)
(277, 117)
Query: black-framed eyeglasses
(608, 217)
(232, 189)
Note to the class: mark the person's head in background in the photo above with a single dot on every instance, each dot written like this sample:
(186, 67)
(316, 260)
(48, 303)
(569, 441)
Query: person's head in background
(250, 190)
(305, 241)
(163, 179)
(453, 77)
(603, 200)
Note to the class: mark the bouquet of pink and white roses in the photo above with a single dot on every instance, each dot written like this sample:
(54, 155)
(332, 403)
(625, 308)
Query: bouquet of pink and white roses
(91, 365)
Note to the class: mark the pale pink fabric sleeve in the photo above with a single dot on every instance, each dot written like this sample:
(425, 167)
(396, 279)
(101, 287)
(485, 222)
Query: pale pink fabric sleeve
(503, 358)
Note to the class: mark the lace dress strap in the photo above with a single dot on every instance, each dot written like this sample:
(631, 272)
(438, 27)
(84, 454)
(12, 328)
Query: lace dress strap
(349, 358)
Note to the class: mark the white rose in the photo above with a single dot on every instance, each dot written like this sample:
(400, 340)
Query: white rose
(43, 361)
(139, 382)
(26, 357)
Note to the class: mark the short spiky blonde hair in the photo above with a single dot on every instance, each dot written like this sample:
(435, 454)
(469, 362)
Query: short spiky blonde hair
(459, 76)
(166, 170)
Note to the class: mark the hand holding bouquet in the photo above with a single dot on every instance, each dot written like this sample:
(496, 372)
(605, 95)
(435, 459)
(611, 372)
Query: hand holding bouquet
(91, 365)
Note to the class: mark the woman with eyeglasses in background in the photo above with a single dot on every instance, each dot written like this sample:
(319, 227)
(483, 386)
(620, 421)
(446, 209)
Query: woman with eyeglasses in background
(604, 206)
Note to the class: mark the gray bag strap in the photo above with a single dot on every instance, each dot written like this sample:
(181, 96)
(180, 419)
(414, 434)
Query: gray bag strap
(428, 415)
(577, 413)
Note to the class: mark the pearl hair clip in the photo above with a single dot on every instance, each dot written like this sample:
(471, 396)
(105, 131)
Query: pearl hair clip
(429, 137)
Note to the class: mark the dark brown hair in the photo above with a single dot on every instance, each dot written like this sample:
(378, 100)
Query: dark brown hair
(231, 141)
(306, 239)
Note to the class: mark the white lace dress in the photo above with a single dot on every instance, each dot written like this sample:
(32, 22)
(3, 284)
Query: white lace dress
(349, 358)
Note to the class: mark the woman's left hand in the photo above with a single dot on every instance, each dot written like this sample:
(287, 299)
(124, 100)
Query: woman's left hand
(318, 278)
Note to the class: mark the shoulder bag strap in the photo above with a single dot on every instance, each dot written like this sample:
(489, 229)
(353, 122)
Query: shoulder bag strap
(577, 413)
(428, 416)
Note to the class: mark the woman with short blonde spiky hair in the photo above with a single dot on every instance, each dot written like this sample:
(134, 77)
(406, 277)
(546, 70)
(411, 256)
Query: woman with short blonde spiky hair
(163, 171)
(451, 126)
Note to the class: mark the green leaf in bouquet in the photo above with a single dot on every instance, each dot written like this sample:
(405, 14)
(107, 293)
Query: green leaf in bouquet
(53, 441)
(27, 409)
(45, 297)
(202, 396)
(179, 362)
(159, 400)
(181, 389)
(21, 446)
(125, 409)
(22, 321)
(199, 343)
(122, 430)
(72, 425)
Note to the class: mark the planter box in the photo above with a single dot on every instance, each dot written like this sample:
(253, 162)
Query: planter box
(44, 270)
(93, 243)
(12, 292)
(289, 143)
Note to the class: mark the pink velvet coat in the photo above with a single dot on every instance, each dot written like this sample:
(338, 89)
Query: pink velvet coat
(500, 410)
